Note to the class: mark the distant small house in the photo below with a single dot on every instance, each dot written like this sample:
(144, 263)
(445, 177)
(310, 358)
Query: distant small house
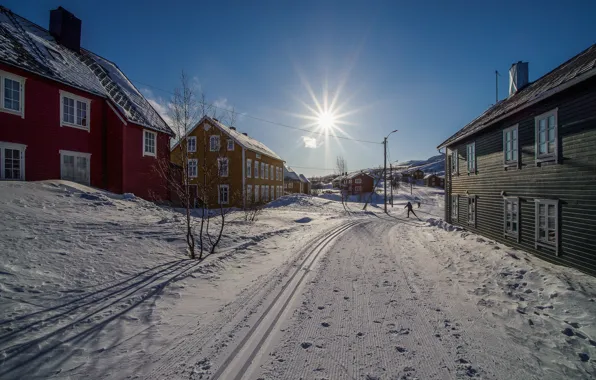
(338, 181)
(359, 183)
(433, 180)
(305, 184)
(292, 182)
(418, 174)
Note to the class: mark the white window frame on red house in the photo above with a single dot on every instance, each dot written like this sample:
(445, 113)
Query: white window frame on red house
(223, 195)
(249, 194)
(192, 144)
(256, 174)
(248, 168)
(262, 170)
(13, 146)
(358, 189)
(77, 100)
(21, 81)
(271, 167)
(75, 155)
(257, 193)
(358, 181)
(146, 151)
(266, 171)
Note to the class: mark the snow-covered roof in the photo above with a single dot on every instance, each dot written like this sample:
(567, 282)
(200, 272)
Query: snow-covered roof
(290, 175)
(30, 47)
(242, 139)
(303, 178)
(578, 68)
(429, 175)
(356, 174)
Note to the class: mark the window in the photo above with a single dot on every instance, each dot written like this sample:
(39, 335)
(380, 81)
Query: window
(472, 210)
(290, 185)
(12, 97)
(222, 166)
(149, 143)
(223, 198)
(547, 223)
(75, 111)
(546, 136)
(192, 144)
(258, 155)
(454, 208)
(271, 192)
(471, 156)
(511, 216)
(454, 162)
(262, 170)
(230, 144)
(256, 193)
(214, 143)
(266, 171)
(12, 161)
(271, 172)
(248, 168)
(193, 168)
(75, 166)
(358, 181)
(249, 194)
(510, 146)
(358, 189)
(256, 169)
(285, 185)
(264, 193)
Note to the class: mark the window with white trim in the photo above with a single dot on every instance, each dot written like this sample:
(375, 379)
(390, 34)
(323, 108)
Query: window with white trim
(266, 171)
(75, 166)
(214, 143)
(262, 170)
(12, 161)
(223, 197)
(454, 162)
(249, 199)
(510, 146)
(264, 193)
(454, 207)
(248, 168)
(546, 136)
(511, 216)
(358, 181)
(12, 97)
(222, 166)
(75, 111)
(256, 193)
(547, 223)
(471, 157)
(271, 172)
(256, 169)
(472, 200)
(149, 143)
(193, 168)
(230, 144)
(192, 144)
(358, 189)
(271, 192)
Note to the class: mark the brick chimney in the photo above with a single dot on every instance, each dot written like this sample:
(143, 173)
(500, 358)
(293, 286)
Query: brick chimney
(66, 28)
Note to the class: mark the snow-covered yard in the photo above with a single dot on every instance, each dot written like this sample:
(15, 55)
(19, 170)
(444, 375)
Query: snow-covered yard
(94, 285)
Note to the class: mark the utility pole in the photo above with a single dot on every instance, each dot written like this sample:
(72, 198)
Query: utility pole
(385, 171)
(411, 183)
(391, 182)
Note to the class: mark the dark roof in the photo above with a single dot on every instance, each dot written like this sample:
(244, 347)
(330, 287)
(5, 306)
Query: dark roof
(30, 47)
(575, 70)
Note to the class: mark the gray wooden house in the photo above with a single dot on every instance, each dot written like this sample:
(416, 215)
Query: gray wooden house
(524, 172)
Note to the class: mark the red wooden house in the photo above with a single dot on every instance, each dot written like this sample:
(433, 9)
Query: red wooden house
(67, 113)
(359, 183)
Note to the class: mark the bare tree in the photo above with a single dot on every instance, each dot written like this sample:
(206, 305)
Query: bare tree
(341, 165)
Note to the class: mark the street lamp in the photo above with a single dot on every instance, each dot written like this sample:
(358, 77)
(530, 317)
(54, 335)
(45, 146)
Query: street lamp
(385, 167)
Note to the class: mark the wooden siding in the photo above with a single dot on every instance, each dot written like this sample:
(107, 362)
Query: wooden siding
(572, 180)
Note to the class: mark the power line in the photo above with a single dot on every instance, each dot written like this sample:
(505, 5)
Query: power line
(261, 119)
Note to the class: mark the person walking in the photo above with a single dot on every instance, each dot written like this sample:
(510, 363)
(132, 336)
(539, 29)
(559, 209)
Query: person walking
(411, 210)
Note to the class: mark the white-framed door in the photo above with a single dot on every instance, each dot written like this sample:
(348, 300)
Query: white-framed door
(12, 161)
(75, 166)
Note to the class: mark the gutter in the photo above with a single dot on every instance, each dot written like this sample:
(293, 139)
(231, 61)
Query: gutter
(540, 98)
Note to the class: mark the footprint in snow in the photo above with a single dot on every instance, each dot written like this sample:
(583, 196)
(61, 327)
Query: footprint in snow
(325, 324)
(400, 349)
(305, 344)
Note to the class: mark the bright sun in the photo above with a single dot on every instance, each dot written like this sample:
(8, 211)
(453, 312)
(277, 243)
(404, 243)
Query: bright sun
(326, 120)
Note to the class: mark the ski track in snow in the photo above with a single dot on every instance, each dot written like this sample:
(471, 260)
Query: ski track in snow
(94, 286)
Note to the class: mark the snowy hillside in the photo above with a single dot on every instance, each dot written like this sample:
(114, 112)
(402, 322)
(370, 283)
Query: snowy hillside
(435, 165)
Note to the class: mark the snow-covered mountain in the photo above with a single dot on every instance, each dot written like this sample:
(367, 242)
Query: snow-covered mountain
(435, 165)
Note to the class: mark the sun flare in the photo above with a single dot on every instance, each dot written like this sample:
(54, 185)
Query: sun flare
(326, 120)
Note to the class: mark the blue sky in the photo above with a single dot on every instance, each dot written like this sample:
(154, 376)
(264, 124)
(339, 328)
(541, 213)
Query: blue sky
(425, 68)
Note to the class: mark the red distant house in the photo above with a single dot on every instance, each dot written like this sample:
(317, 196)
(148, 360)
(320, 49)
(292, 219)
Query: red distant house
(68, 113)
(359, 183)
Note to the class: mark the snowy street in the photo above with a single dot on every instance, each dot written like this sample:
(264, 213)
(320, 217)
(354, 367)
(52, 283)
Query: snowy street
(310, 291)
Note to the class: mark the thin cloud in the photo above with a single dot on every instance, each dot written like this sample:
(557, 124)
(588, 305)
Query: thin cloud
(309, 142)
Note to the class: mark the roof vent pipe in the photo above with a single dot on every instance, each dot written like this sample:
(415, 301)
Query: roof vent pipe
(245, 134)
(518, 77)
(233, 128)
